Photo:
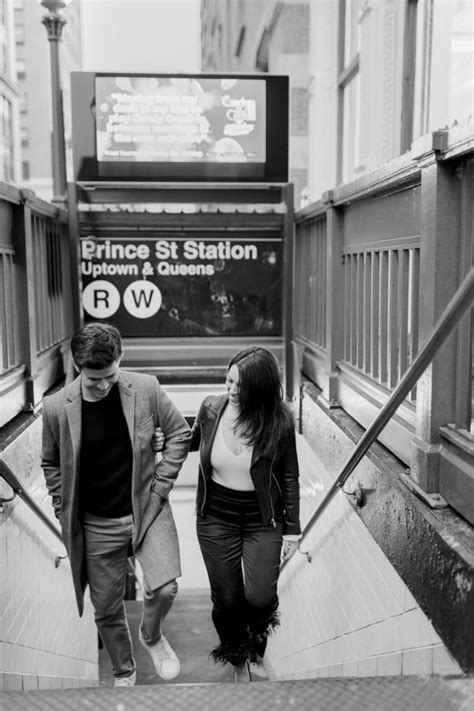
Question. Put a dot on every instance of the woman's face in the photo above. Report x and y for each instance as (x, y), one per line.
(232, 385)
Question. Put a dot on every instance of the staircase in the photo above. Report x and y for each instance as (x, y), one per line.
(368, 694)
(205, 686)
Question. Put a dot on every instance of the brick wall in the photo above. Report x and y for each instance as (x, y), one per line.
(347, 612)
(43, 642)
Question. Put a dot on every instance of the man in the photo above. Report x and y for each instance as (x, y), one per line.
(110, 495)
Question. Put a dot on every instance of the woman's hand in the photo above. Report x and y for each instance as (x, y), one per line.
(288, 549)
(158, 440)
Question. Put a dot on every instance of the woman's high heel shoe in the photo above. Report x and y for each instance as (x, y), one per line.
(242, 674)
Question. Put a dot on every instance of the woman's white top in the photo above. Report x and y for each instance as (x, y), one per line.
(229, 469)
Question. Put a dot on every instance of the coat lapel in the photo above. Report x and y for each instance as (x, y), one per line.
(74, 418)
(209, 429)
(73, 409)
(127, 398)
(210, 426)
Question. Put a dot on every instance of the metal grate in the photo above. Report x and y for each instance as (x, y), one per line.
(367, 694)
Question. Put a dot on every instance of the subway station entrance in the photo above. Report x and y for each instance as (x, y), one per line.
(188, 273)
(176, 263)
(182, 217)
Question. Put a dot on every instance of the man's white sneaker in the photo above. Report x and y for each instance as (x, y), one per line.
(126, 680)
(164, 659)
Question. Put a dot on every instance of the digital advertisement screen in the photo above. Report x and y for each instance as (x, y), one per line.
(172, 119)
(180, 128)
(177, 286)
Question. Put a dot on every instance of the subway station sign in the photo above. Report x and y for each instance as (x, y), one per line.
(181, 286)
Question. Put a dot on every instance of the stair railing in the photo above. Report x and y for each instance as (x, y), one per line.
(18, 490)
(451, 316)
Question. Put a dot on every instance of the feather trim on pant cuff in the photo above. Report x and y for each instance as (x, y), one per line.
(235, 655)
(260, 633)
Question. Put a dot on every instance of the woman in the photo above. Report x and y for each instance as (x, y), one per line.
(247, 504)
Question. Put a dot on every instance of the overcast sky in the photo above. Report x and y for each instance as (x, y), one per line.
(141, 35)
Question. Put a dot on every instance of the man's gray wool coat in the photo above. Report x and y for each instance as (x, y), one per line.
(145, 406)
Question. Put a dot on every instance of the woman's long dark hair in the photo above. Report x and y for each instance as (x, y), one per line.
(264, 420)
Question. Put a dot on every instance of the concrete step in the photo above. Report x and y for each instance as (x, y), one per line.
(189, 630)
(365, 694)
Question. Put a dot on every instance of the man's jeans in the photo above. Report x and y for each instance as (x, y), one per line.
(107, 548)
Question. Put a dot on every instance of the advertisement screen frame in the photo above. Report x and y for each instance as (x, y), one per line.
(88, 169)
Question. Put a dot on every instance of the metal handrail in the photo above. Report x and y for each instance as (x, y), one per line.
(448, 321)
(18, 489)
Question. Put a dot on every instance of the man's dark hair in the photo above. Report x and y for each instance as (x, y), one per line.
(96, 345)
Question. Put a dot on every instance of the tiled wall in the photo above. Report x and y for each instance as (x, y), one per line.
(347, 612)
(43, 642)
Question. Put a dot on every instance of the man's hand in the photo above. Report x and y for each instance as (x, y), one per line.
(288, 549)
(158, 440)
(155, 504)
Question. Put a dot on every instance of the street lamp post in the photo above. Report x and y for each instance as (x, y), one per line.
(54, 23)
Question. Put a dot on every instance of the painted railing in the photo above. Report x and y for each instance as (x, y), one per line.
(311, 281)
(459, 304)
(35, 299)
(381, 297)
(376, 262)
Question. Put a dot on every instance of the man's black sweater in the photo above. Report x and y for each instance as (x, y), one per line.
(105, 482)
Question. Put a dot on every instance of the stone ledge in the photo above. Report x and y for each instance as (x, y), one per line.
(433, 551)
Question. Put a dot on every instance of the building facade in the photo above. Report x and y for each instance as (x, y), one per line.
(265, 36)
(383, 74)
(10, 93)
(34, 78)
(367, 77)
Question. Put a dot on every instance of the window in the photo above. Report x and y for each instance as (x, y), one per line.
(350, 128)
(6, 118)
(25, 137)
(448, 64)
(3, 57)
(460, 67)
(6, 140)
(19, 34)
(20, 70)
(348, 89)
(409, 63)
(25, 167)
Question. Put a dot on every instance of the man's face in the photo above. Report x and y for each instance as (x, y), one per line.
(97, 383)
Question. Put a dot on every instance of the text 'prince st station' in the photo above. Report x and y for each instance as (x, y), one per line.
(92, 249)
